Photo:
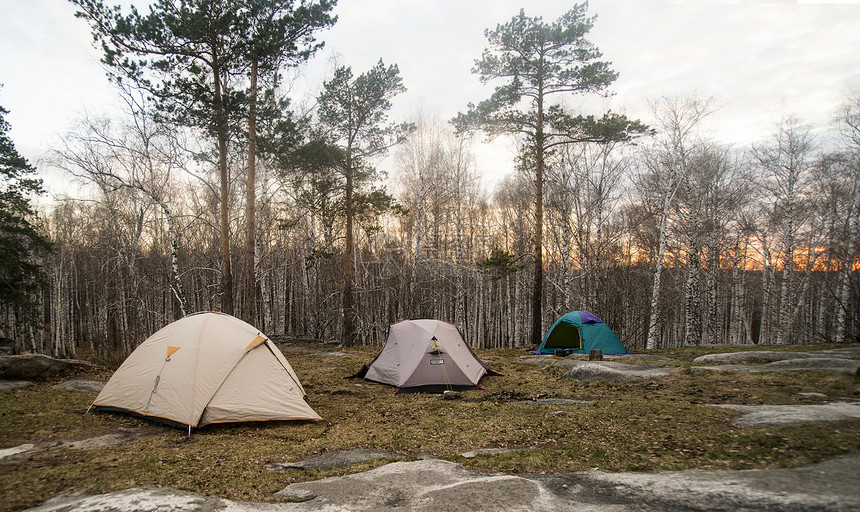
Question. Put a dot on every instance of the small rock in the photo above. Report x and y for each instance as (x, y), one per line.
(489, 451)
(333, 354)
(450, 395)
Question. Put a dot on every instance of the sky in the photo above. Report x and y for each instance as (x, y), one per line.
(760, 60)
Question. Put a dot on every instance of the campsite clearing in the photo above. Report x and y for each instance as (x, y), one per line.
(668, 423)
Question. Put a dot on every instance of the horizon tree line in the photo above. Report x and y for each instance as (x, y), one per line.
(676, 240)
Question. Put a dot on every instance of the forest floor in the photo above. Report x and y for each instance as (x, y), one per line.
(50, 446)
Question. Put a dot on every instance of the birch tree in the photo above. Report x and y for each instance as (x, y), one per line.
(143, 156)
(184, 54)
(784, 167)
(849, 122)
(708, 202)
(666, 167)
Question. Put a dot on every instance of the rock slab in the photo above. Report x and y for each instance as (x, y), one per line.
(787, 365)
(6, 385)
(329, 460)
(608, 371)
(766, 415)
(440, 485)
(37, 366)
(428, 485)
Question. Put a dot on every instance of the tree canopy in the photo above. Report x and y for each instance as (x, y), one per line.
(192, 57)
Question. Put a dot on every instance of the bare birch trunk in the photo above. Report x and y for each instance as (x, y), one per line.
(786, 292)
(653, 339)
(765, 334)
(692, 314)
(173, 233)
(711, 283)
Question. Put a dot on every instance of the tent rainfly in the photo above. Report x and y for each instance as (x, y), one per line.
(206, 368)
(580, 332)
(425, 356)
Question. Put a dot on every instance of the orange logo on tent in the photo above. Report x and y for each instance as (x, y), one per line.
(257, 340)
(171, 350)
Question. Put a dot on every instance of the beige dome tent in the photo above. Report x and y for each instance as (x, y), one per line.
(206, 368)
(425, 355)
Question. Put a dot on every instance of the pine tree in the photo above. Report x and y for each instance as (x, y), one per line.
(535, 63)
(21, 243)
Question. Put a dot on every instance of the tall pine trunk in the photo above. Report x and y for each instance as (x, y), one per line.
(349, 325)
(250, 206)
(537, 286)
(221, 127)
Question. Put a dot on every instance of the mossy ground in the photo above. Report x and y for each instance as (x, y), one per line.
(658, 424)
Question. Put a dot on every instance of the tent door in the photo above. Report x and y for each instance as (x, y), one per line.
(564, 336)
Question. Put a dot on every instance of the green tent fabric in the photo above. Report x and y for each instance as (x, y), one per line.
(580, 332)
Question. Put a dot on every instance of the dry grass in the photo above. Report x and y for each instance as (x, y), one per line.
(661, 424)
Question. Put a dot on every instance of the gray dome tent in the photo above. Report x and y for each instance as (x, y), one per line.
(425, 356)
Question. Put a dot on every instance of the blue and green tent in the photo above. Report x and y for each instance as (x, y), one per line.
(580, 332)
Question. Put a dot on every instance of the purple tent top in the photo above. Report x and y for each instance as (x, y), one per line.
(587, 318)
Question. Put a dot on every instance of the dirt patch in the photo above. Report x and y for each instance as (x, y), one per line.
(553, 401)
(105, 441)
